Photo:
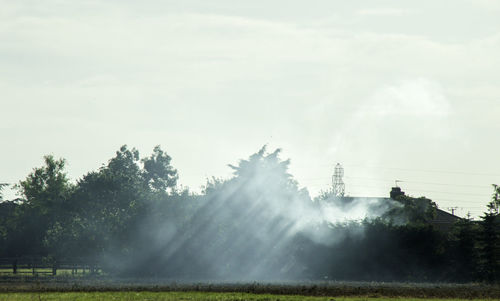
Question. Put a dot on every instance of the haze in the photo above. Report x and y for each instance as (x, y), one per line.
(392, 90)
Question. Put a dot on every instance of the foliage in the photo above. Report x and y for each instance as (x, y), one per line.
(414, 211)
(2, 186)
(131, 216)
(489, 243)
(464, 250)
(44, 193)
(158, 173)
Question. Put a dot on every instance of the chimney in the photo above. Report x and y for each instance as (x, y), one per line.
(395, 192)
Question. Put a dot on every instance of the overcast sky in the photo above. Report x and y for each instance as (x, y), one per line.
(406, 90)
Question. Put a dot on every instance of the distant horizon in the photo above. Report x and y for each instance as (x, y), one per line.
(9, 192)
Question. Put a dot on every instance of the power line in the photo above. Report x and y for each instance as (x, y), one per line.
(446, 192)
(403, 181)
(419, 182)
(414, 182)
(425, 170)
(411, 169)
(411, 190)
(458, 200)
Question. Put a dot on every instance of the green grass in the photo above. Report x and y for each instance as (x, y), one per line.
(153, 296)
(105, 288)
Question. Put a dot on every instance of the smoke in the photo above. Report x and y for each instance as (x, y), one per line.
(337, 210)
(253, 226)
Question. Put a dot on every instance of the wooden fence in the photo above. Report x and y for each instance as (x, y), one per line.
(43, 266)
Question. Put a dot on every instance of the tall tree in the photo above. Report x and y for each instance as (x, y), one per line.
(45, 192)
(158, 172)
(464, 256)
(108, 199)
(115, 201)
(2, 186)
(490, 240)
(7, 223)
(47, 187)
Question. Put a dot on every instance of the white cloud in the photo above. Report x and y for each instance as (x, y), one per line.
(421, 98)
(385, 12)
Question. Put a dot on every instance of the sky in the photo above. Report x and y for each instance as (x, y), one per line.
(392, 90)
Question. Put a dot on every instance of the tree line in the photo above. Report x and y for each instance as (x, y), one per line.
(131, 216)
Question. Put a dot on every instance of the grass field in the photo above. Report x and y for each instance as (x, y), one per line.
(93, 287)
(153, 296)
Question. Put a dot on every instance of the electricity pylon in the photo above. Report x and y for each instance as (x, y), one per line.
(337, 182)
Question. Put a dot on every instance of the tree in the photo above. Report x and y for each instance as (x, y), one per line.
(115, 202)
(243, 227)
(464, 256)
(417, 211)
(494, 204)
(158, 173)
(107, 201)
(47, 187)
(489, 240)
(7, 223)
(44, 192)
(2, 186)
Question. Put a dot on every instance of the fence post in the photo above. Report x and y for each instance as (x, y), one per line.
(54, 268)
